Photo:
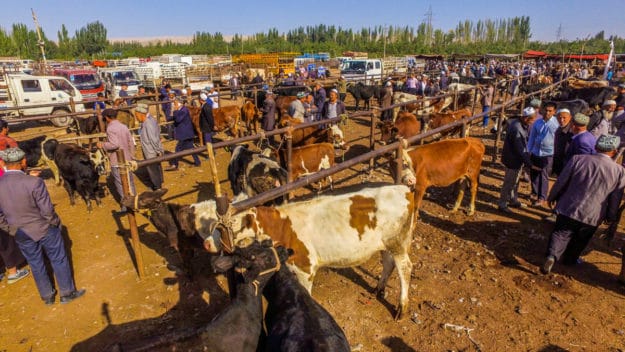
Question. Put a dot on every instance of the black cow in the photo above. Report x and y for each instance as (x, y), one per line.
(593, 96)
(84, 125)
(574, 106)
(360, 91)
(77, 170)
(253, 173)
(35, 157)
(294, 320)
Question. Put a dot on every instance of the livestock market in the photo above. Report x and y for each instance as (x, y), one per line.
(394, 181)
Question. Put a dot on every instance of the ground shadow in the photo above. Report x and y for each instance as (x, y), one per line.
(397, 344)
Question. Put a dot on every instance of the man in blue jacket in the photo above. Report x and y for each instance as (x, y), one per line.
(183, 132)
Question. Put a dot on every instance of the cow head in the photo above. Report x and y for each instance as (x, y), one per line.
(99, 161)
(147, 200)
(337, 137)
(388, 132)
(407, 174)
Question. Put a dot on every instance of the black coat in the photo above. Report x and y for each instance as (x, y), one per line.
(562, 139)
(515, 153)
(207, 122)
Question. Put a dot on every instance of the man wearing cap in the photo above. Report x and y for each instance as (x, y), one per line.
(387, 101)
(118, 137)
(333, 107)
(123, 93)
(536, 104)
(207, 121)
(319, 98)
(269, 112)
(604, 126)
(588, 191)
(620, 98)
(487, 101)
(297, 108)
(514, 156)
(27, 213)
(341, 86)
(183, 133)
(541, 147)
(583, 142)
(562, 139)
(151, 145)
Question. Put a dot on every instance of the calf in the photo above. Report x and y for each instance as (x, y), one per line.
(441, 119)
(282, 105)
(441, 164)
(406, 125)
(251, 117)
(314, 134)
(77, 170)
(253, 173)
(309, 159)
(294, 320)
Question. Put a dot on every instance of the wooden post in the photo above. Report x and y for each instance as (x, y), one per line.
(132, 221)
(98, 112)
(456, 98)
(72, 104)
(399, 161)
(372, 142)
(499, 127)
(289, 155)
(213, 167)
(475, 101)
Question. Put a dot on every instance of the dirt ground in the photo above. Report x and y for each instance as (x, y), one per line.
(475, 284)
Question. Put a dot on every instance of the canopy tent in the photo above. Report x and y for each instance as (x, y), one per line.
(531, 54)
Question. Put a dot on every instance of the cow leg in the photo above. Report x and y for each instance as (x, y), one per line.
(388, 264)
(70, 191)
(621, 277)
(474, 183)
(418, 197)
(461, 186)
(404, 269)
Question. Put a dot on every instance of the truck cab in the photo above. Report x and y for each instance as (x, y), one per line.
(368, 71)
(30, 92)
(88, 82)
(114, 77)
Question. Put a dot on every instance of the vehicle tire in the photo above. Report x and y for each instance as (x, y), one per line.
(60, 121)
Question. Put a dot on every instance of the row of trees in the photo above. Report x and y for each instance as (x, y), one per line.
(511, 35)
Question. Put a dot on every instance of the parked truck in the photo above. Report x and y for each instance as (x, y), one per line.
(114, 77)
(29, 93)
(87, 81)
(368, 71)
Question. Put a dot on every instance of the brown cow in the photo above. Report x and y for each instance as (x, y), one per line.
(251, 117)
(313, 134)
(309, 159)
(226, 118)
(444, 118)
(406, 125)
(441, 164)
(282, 105)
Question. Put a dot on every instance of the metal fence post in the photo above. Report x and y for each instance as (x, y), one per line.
(132, 221)
(399, 162)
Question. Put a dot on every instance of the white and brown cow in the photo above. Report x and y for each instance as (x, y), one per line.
(342, 230)
(308, 159)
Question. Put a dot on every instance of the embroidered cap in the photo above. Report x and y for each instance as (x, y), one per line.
(142, 108)
(581, 119)
(607, 143)
(528, 111)
(535, 103)
(301, 95)
(12, 155)
(609, 102)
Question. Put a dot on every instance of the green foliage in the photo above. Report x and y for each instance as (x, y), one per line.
(91, 39)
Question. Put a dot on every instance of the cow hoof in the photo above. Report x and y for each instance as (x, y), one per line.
(471, 212)
(399, 316)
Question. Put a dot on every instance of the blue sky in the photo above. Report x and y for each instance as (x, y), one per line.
(141, 18)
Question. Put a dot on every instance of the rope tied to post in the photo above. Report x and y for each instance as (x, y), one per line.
(344, 118)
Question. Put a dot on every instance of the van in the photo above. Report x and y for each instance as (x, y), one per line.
(87, 81)
(30, 92)
(114, 77)
(368, 71)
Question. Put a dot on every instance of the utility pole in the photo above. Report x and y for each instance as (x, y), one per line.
(384, 32)
(40, 43)
(559, 39)
(428, 28)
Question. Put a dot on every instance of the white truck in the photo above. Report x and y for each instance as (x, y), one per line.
(114, 77)
(29, 93)
(368, 71)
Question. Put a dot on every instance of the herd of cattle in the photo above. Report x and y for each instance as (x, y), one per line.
(342, 229)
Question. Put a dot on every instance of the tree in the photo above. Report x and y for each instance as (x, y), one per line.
(91, 39)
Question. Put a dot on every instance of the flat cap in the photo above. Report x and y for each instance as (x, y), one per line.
(607, 143)
(609, 102)
(142, 108)
(535, 103)
(203, 96)
(12, 155)
(622, 85)
(110, 113)
(581, 119)
(529, 111)
(301, 95)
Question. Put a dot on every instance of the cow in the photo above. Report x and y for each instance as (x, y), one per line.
(441, 164)
(77, 170)
(226, 119)
(282, 105)
(340, 230)
(417, 105)
(250, 116)
(465, 94)
(35, 156)
(308, 159)
(253, 173)
(593, 96)
(84, 125)
(360, 91)
(437, 120)
(405, 125)
(574, 106)
(314, 134)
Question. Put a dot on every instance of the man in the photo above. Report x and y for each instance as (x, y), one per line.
(514, 156)
(341, 86)
(234, 86)
(269, 112)
(563, 137)
(99, 103)
(183, 133)
(207, 121)
(333, 107)
(387, 101)
(541, 146)
(124, 94)
(6, 141)
(486, 101)
(118, 137)
(587, 192)
(604, 126)
(620, 98)
(583, 142)
(297, 108)
(151, 146)
(27, 213)
(319, 98)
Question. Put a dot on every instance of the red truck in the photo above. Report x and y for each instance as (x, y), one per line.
(88, 82)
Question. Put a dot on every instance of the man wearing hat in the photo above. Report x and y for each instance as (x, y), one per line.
(562, 139)
(118, 137)
(583, 142)
(588, 191)
(620, 98)
(183, 132)
(536, 104)
(333, 107)
(319, 98)
(27, 213)
(541, 147)
(151, 145)
(298, 109)
(207, 121)
(341, 86)
(604, 126)
(269, 112)
(514, 156)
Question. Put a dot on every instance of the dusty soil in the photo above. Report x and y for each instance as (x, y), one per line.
(479, 273)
